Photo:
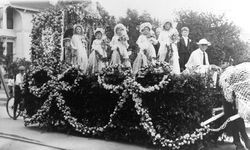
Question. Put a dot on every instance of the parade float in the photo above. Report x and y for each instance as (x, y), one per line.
(153, 107)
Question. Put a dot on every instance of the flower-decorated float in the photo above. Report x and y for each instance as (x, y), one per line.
(153, 107)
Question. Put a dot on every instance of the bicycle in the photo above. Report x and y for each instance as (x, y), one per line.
(10, 106)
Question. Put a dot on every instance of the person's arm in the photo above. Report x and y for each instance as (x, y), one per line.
(190, 61)
(179, 45)
(140, 42)
(154, 40)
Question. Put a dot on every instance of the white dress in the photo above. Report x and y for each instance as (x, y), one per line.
(165, 40)
(119, 57)
(82, 58)
(147, 47)
(95, 63)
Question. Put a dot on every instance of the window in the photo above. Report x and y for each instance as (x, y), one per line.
(1, 49)
(10, 18)
(10, 51)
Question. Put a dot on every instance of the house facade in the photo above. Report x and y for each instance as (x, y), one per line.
(16, 26)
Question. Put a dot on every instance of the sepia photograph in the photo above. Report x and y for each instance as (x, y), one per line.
(124, 75)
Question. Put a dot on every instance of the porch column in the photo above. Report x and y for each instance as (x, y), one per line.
(5, 17)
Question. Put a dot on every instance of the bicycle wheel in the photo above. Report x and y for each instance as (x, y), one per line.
(10, 108)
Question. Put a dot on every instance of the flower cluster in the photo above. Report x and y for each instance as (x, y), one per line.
(161, 69)
(114, 73)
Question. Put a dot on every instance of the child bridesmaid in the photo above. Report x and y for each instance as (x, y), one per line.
(147, 51)
(119, 46)
(98, 56)
(168, 39)
(78, 43)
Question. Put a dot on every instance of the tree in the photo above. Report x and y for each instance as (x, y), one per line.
(108, 21)
(133, 20)
(12, 67)
(223, 34)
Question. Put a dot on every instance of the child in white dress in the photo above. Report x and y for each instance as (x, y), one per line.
(78, 43)
(98, 56)
(147, 51)
(168, 39)
(119, 46)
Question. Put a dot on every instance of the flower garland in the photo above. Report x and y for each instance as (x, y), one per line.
(133, 88)
(129, 87)
(165, 80)
(40, 115)
(79, 127)
(66, 85)
(73, 121)
(44, 89)
(122, 71)
(147, 124)
(156, 68)
(66, 111)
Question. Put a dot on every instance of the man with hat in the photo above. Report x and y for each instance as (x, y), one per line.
(184, 47)
(18, 87)
(199, 56)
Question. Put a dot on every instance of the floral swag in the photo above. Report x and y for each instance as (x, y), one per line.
(117, 80)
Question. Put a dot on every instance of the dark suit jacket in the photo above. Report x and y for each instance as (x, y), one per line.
(184, 51)
(182, 48)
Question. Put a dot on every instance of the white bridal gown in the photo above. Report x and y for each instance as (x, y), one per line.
(82, 58)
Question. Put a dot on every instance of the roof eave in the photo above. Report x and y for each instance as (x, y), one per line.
(24, 8)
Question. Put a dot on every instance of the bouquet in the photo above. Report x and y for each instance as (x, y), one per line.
(105, 43)
(174, 38)
(123, 38)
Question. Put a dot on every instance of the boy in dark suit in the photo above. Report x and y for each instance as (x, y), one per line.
(184, 47)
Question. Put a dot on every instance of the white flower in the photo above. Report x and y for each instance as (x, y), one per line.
(158, 136)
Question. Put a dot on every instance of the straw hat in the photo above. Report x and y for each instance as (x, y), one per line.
(204, 42)
(21, 68)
